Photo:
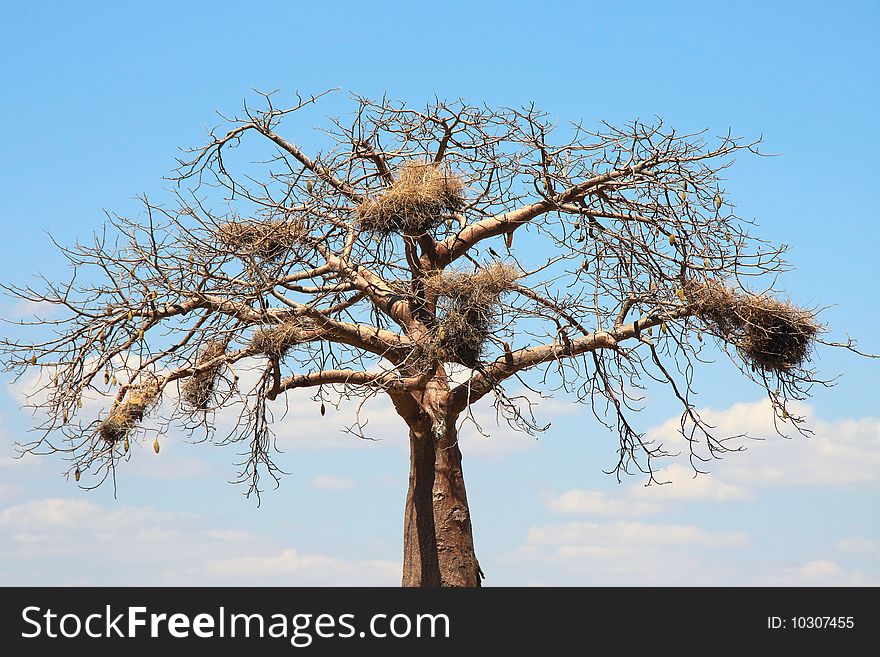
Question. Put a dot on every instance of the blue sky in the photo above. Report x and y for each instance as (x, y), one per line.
(97, 99)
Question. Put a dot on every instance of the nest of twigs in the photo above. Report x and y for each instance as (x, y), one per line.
(467, 308)
(124, 416)
(198, 390)
(269, 240)
(773, 335)
(415, 202)
(277, 339)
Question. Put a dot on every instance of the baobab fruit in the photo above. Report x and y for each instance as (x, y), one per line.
(508, 240)
(140, 334)
(718, 201)
(79, 403)
(672, 239)
(126, 445)
(156, 445)
(76, 474)
(309, 186)
(700, 336)
(55, 380)
(663, 327)
(130, 315)
(64, 417)
(106, 377)
(323, 409)
(680, 294)
(113, 380)
(34, 359)
(706, 263)
(683, 196)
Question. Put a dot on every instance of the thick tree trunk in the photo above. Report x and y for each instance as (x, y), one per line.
(438, 541)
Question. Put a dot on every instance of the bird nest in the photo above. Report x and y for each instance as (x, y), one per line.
(269, 240)
(198, 390)
(771, 334)
(277, 339)
(124, 416)
(415, 202)
(466, 308)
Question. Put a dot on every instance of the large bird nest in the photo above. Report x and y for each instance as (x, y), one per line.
(124, 416)
(277, 339)
(467, 308)
(771, 334)
(199, 388)
(415, 202)
(269, 240)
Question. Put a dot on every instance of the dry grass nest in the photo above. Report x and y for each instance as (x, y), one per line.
(771, 334)
(415, 202)
(269, 240)
(466, 308)
(124, 416)
(277, 339)
(198, 390)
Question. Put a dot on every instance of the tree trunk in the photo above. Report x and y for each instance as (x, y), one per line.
(438, 541)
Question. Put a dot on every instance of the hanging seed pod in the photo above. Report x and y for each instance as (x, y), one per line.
(309, 186)
(682, 195)
(101, 336)
(55, 381)
(684, 185)
(79, 403)
(109, 310)
(586, 265)
(76, 474)
(153, 295)
(663, 328)
(34, 359)
(700, 336)
(140, 334)
(680, 294)
(113, 380)
(672, 239)
(718, 201)
(64, 417)
(126, 445)
(156, 445)
(508, 240)
(652, 286)
(323, 409)
(106, 377)
(130, 315)
(706, 263)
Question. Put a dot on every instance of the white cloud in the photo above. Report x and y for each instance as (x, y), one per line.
(685, 485)
(819, 572)
(841, 453)
(625, 554)
(66, 541)
(328, 483)
(589, 502)
(291, 566)
(858, 546)
(587, 534)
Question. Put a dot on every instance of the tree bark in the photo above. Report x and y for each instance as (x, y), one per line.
(438, 539)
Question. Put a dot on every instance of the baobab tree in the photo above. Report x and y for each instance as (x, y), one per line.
(434, 255)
